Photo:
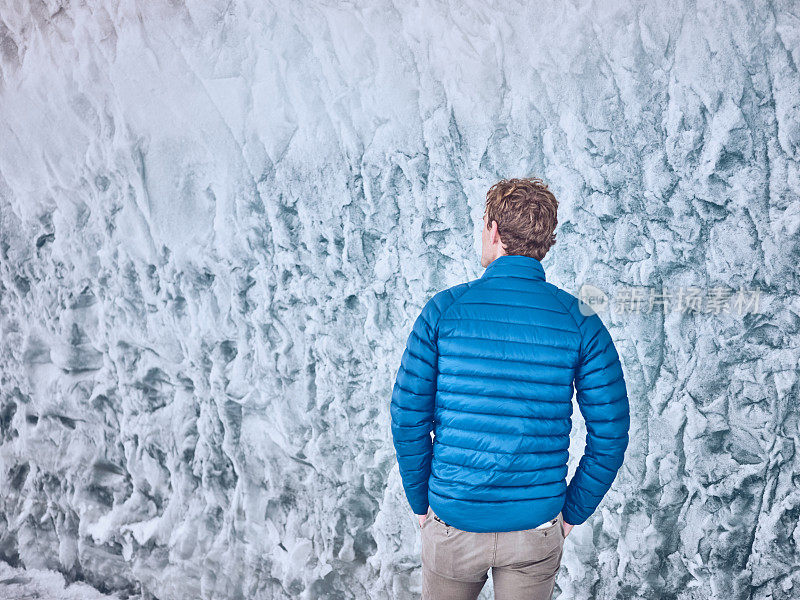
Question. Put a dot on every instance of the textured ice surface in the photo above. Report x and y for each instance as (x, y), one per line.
(44, 585)
(218, 221)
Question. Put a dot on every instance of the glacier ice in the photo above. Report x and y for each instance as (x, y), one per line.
(218, 221)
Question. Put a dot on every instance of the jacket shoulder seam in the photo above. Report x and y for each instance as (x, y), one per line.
(571, 316)
(467, 287)
(565, 307)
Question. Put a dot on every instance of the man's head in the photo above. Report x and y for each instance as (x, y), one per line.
(520, 218)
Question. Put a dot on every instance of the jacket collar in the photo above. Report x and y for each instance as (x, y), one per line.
(515, 265)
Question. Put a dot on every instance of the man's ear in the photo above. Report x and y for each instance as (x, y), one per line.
(495, 233)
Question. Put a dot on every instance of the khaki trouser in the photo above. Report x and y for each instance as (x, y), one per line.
(455, 563)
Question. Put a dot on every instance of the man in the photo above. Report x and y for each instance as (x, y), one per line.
(490, 367)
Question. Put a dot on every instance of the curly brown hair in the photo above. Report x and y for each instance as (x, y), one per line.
(526, 215)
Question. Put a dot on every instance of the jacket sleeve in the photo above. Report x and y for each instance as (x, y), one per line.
(603, 401)
(412, 407)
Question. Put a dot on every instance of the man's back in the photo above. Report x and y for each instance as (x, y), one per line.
(490, 367)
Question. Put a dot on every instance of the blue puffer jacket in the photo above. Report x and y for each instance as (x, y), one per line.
(490, 367)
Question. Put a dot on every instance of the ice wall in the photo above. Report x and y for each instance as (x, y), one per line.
(218, 221)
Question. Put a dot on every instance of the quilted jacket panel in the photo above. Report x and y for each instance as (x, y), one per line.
(490, 367)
